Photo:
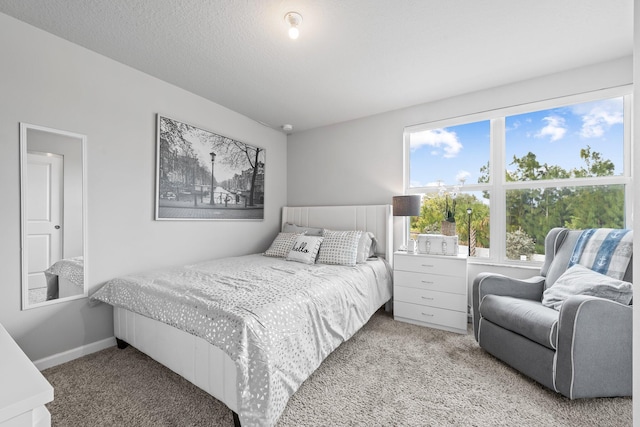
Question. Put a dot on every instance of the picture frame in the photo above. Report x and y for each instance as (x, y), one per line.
(192, 161)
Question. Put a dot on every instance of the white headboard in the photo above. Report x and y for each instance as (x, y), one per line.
(374, 218)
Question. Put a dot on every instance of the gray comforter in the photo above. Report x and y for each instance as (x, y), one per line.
(277, 320)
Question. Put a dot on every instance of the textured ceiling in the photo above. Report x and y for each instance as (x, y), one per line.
(353, 58)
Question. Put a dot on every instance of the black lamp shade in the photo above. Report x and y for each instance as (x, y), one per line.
(406, 205)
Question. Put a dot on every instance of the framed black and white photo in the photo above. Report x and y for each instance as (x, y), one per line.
(201, 175)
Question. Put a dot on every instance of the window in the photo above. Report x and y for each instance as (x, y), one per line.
(453, 154)
(569, 142)
(521, 171)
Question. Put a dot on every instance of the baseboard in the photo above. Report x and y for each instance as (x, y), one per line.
(74, 353)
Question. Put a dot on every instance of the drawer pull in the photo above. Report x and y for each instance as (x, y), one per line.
(428, 265)
(427, 298)
(427, 282)
(427, 314)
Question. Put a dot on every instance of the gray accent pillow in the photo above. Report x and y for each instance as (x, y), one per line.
(339, 247)
(366, 247)
(580, 280)
(309, 231)
(281, 245)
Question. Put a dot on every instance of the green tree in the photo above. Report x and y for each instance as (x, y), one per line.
(534, 211)
(519, 243)
(595, 165)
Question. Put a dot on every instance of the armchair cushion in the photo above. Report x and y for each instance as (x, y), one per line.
(579, 280)
(524, 317)
(498, 284)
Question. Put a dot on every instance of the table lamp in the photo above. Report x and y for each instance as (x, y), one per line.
(406, 206)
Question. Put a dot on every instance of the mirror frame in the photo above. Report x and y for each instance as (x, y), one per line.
(24, 128)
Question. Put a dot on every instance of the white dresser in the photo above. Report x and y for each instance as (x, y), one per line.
(23, 389)
(430, 290)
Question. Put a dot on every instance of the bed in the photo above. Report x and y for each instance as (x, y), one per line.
(65, 278)
(253, 353)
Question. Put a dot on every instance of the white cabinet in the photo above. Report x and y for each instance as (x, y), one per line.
(23, 389)
(430, 290)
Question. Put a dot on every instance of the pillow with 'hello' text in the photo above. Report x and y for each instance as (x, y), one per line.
(305, 249)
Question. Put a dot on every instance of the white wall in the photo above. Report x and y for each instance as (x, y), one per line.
(47, 81)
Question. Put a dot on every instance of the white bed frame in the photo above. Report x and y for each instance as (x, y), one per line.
(205, 365)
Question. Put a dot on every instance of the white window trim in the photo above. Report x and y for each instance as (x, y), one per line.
(497, 184)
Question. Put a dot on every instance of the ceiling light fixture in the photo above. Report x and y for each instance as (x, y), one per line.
(293, 19)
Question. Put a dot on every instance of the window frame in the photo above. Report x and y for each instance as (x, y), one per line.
(498, 186)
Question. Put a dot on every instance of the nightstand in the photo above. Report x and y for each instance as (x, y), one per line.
(430, 290)
(24, 391)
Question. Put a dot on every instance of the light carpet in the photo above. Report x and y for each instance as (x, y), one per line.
(388, 374)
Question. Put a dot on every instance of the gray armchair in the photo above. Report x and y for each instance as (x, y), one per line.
(583, 350)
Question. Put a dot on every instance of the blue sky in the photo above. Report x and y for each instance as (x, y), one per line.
(555, 136)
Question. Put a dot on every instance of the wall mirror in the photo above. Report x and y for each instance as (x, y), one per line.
(53, 215)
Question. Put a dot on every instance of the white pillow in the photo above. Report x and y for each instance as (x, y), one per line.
(580, 280)
(305, 249)
(366, 247)
(339, 247)
(281, 245)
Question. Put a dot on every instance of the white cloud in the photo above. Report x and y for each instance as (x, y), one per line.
(462, 176)
(599, 120)
(415, 183)
(438, 138)
(555, 128)
(515, 125)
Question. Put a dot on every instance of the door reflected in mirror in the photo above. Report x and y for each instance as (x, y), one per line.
(53, 215)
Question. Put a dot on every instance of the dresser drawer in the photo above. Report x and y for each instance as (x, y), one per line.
(455, 302)
(438, 316)
(434, 282)
(448, 266)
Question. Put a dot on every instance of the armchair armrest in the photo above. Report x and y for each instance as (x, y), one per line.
(498, 284)
(594, 348)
